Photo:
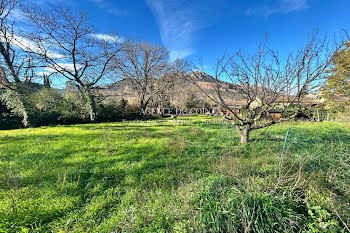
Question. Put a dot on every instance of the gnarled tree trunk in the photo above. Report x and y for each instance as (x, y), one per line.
(244, 133)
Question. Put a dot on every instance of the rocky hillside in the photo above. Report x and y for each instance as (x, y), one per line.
(178, 88)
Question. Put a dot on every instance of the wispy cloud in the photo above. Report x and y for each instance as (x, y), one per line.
(108, 38)
(117, 12)
(177, 25)
(61, 67)
(174, 54)
(279, 7)
(110, 9)
(44, 2)
(26, 44)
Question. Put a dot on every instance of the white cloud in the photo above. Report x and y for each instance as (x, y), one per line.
(282, 7)
(43, 73)
(62, 67)
(112, 10)
(45, 2)
(97, 1)
(108, 38)
(26, 44)
(117, 12)
(177, 24)
(175, 54)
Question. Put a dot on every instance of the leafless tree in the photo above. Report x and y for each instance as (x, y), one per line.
(17, 68)
(263, 81)
(170, 87)
(70, 47)
(17, 65)
(6, 34)
(143, 64)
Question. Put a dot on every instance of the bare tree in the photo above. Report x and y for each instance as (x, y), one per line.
(143, 64)
(70, 47)
(6, 34)
(264, 82)
(17, 65)
(17, 68)
(170, 87)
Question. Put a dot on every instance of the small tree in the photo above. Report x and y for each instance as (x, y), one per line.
(262, 82)
(70, 47)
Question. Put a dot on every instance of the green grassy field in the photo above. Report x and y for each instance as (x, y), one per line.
(166, 177)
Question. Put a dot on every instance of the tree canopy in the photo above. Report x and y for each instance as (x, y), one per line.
(337, 88)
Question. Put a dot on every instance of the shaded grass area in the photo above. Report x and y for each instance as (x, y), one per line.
(161, 177)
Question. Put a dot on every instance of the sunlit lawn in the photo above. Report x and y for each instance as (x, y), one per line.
(150, 176)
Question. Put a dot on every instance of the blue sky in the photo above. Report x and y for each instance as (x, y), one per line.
(206, 28)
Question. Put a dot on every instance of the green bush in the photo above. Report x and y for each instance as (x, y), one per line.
(35, 106)
(110, 112)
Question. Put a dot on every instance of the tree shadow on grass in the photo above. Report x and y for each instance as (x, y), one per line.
(49, 170)
(144, 173)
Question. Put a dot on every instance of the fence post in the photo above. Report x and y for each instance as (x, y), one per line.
(285, 143)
